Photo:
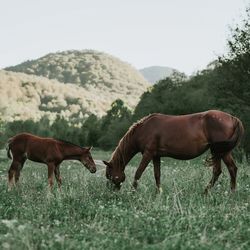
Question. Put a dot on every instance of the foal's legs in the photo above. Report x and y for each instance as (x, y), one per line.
(157, 172)
(51, 168)
(58, 176)
(146, 158)
(232, 169)
(216, 173)
(17, 175)
(12, 173)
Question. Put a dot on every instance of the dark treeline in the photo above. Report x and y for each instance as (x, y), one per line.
(103, 133)
(224, 85)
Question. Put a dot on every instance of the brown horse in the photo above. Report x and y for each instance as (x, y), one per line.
(44, 150)
(181, 137)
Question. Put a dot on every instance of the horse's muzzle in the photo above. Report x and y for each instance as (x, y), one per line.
(113, 186)
(92, 170)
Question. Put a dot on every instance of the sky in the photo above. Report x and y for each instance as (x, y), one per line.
(182, 34)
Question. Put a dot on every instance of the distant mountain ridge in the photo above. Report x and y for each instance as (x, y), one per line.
(70, 83)
(155, 73)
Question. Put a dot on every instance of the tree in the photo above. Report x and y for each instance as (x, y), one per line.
(114, 124)
(90, 131)
(233, 90)
(235, 65)
(3, 137)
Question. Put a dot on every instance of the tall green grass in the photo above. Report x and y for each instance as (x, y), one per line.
(87, 215)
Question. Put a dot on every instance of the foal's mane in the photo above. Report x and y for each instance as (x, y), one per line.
(68, 142)
(120, 150)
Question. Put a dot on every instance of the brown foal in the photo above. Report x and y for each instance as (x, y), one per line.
(44, 150)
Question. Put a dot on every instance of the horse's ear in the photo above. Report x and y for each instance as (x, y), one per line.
(107, 163)
(88, 148)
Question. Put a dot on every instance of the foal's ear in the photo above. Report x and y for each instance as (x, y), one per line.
(107, 163)
(88, 148)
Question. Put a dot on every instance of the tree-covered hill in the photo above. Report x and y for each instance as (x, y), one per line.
(86, 67)
(71, 83)
(26, 96)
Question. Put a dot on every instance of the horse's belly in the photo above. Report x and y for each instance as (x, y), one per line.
(191, 151)
(36, 157)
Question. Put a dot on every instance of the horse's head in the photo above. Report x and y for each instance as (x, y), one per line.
(87, 160)
(114, 174)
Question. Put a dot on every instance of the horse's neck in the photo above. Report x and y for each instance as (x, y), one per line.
(122, 156)
(70, 152)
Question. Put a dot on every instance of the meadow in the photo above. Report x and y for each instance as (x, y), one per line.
(87, 215)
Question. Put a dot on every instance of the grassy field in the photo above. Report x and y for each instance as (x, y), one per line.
(86, 215)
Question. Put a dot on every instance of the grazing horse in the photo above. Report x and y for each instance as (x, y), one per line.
(44, 150)
(181, 137)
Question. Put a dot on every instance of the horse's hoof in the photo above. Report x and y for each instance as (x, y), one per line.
(160, 190)
(206, 191)
(135, 185)
(117, 187)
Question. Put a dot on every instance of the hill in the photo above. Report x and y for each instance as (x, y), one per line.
(155, 73)
(86, 67)
(26, 96)
(72, 83)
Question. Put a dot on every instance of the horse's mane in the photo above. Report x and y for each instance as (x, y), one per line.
(68, 142)
(120, 150)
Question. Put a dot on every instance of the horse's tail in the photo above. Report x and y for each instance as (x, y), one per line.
(8, 149)
(223, 147)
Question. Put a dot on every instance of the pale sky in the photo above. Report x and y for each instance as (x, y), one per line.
(183, 34)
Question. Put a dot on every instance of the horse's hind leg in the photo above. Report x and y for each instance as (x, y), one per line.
(12, 173)
(20, 167)
(58, 176)
(216, 161)
(157, 172)
(232, 169)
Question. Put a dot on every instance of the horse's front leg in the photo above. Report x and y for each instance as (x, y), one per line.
(51, 169)
(157, 172)
(146, 158)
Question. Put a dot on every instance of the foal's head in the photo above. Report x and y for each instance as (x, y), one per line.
(114, 174)
(87, 160)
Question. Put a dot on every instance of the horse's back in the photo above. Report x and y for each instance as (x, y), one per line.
(211, 123)
(171, 126)
(27, 137)
(180, 137)
(31, 146)
(185, 136)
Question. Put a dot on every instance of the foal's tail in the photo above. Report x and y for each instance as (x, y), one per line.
(222, 147)
(9, 154)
